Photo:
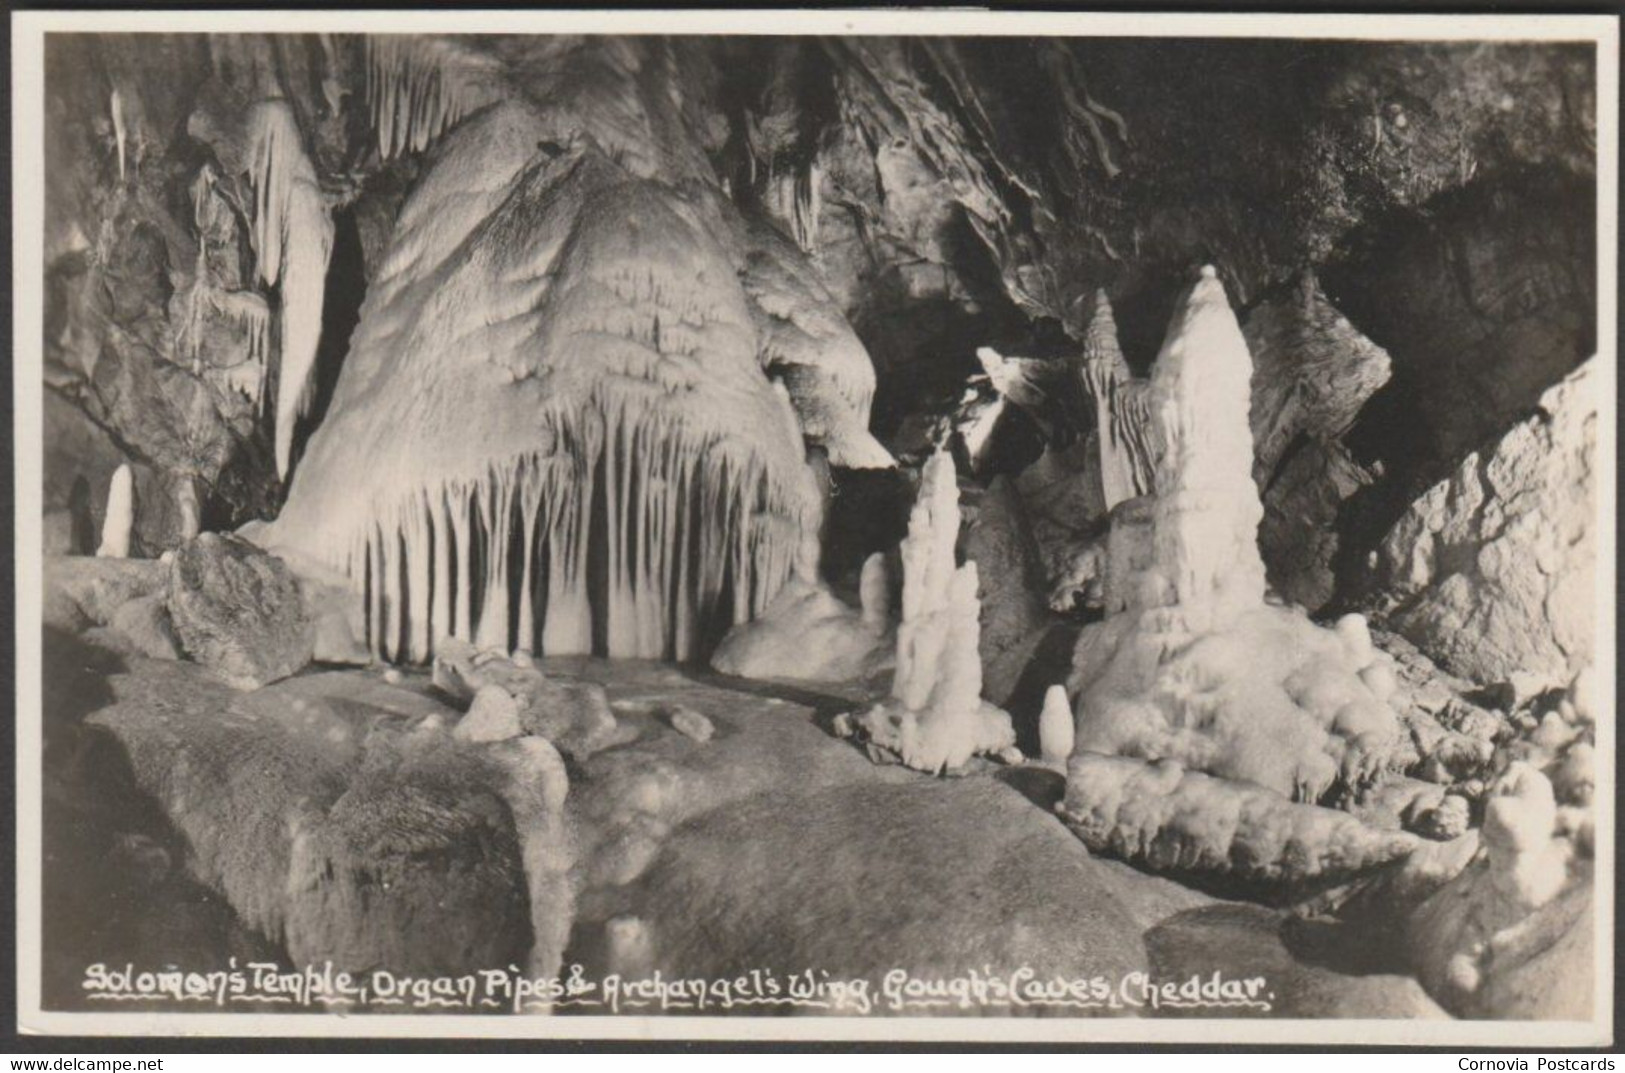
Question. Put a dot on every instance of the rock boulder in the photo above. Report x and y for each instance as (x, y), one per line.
(238, 611)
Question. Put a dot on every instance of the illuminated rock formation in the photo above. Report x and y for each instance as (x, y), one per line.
(1191, 666)
(1511, 935)
(119, 520)
(935, 718)
(556, 429)
(293, 239)
(1161, 816)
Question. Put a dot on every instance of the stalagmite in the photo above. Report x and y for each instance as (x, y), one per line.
(1205, 521)
(1055, 729)
(1479, 942)
(1125, 453)
(1192, 666)
(293, 239)
(935, 718)
(120, 517)
(186, 504)
(874, 591)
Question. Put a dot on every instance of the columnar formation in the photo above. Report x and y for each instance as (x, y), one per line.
(1206, 513)
(119, 520)
(1124, 447)
(1194, 671)
(935, 718)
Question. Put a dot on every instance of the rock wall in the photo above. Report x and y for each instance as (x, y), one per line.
(1492, 572)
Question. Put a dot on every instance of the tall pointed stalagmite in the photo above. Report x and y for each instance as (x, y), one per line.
(935, 718)
(1195, 694)
(1207, 510)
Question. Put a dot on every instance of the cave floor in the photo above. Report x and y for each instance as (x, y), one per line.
(772, 847)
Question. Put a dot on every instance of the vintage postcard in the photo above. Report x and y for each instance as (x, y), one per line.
(785, 525)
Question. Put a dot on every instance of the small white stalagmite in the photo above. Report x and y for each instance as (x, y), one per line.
(120, 517)
(874, 591)
(935, 718)
(1055, 726)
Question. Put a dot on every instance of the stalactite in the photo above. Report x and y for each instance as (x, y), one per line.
(116, 106)
(418, 88)
(293, 239)
(807, 204)
(441, 561)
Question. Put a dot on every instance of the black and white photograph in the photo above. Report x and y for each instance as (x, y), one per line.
(816, 525)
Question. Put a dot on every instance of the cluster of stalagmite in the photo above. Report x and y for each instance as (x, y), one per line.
(1193, 670)
(935, 718)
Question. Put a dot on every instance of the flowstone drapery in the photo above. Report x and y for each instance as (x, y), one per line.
(557, 429)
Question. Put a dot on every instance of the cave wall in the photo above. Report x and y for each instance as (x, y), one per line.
(950, 194)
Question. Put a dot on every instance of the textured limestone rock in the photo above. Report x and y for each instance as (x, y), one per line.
(935, 717)
(494, 716)
(332, 819)
(1172, 820)
(533, 784)
(1000, 542)
(1510, 935)
(690, 723)
(81, 591)
(1312, 973)
(1312, 372)
(1492, 572)
(573, 715)
(1064, 502)
(1298, 536)
(145, 623)
(238, 611)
